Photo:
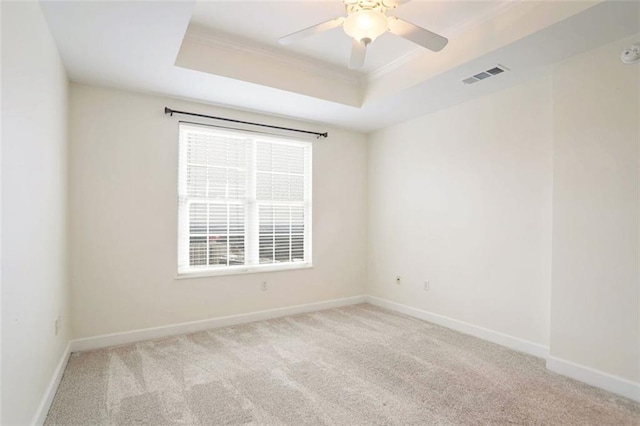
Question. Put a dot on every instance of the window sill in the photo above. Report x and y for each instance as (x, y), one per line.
(242, 271)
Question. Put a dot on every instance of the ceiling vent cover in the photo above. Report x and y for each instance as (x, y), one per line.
(485, 74)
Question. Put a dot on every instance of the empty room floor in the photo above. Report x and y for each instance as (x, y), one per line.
(354, 365)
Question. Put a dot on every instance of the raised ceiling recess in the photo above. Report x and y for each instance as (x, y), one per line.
(228, 52)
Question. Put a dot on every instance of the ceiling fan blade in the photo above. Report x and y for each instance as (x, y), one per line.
(358, 53)
(416, 34)
(299, 35)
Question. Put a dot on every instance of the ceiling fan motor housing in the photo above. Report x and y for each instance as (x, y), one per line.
(354, 6)
(366, 20)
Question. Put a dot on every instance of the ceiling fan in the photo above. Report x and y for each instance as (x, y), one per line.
(365, 21)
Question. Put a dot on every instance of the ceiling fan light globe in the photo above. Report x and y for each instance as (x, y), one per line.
(365, 24)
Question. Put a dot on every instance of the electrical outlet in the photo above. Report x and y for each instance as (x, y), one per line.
(265, 286)
(427, 285)
(398, 279)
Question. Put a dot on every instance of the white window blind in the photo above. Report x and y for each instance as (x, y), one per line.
(244, 201)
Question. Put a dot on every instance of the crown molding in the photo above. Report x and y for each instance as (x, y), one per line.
(226, 42)
(449, 33)
(482, 18)
(395, 64)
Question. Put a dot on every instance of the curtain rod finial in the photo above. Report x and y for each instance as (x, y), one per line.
(168, 111)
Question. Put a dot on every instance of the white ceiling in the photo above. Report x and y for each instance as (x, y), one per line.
(148, 46)
(266, 21)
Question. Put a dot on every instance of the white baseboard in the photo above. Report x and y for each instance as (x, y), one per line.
(596, 378)
(116, 339)
(47, 399)
(575, 371)
(502, 339)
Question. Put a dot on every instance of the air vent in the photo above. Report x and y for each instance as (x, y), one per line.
(485, 74)
(482, 75)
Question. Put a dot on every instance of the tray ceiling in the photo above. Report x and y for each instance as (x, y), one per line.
(226, 53)
(264, 22)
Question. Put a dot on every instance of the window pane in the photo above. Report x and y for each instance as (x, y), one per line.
(217, 179)
(236, 250)
(280, 174)
(280, 187)
(217, 152)
(280, 158)
(198, 218)
(237, 154)
(297, 220)
(197, 251)
(218, 250)
(296, 160)
(197, 150)
(282, 248)
(264, 184)
(265, 222)
(236, 219)
(281, 233)
(235, 184)
(266, 248)
(265, 226)
(197, 181)
(264, 153)
(218, 219)
(296, 185)
(297, 248)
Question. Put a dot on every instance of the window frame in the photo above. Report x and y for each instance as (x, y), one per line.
(251, 205)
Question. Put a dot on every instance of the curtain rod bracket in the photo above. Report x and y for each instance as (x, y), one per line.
(170, 112)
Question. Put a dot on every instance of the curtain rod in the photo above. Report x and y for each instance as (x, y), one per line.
(170, 111)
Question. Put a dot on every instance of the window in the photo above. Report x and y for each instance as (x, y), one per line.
(244, 201)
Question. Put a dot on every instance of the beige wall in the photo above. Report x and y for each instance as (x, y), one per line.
(596, 287)
(123, 206)
(462, 198)
(34, 210)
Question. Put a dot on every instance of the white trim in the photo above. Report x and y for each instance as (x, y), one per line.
(502, 339)
(215, 39)
(596, 378)
(47, 398)
(487, 16)
(587, 375)
(243, 269)
(451, 33)
(115, 339)
(382, 71)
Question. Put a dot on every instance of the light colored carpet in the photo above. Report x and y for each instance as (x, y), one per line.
(349, 366)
